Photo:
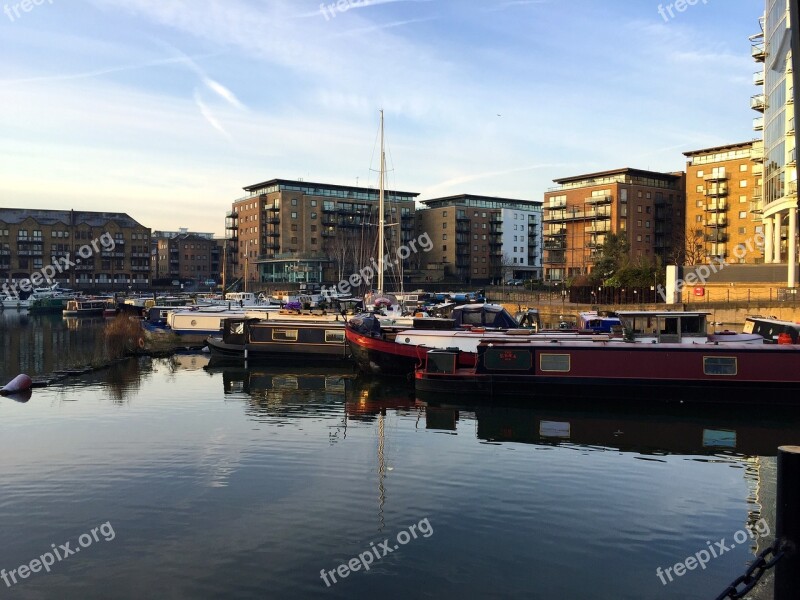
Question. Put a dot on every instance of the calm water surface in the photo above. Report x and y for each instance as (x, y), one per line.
(221, 482)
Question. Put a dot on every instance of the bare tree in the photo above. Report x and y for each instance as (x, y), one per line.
(688, 247)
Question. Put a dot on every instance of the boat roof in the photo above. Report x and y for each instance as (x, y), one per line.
(771, 320)
(661, 313)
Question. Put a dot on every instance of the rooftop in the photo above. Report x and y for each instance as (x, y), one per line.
(624, 171)
(314, 189)
(66, 217)
(715, 149)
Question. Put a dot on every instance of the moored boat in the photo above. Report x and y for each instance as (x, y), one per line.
(297, 339)
(705, 372)
(774, 331)
(87, 307)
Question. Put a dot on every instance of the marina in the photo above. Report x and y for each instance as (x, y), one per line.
(211, 441)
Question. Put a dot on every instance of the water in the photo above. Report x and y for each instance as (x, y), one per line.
(221, 482)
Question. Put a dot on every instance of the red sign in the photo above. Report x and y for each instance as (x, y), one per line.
(699, 291)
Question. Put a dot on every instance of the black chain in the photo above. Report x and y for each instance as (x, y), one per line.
(766, 559)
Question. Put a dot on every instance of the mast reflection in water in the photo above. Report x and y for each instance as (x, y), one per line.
(222, 481)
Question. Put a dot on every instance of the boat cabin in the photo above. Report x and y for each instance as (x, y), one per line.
(771, 329)
(664, 327)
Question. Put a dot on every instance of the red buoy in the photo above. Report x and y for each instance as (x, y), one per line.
(784, 338)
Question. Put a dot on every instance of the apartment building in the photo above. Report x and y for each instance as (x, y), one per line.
(722, 185)
(186, 256)
(32, 239)
(480, 239)
(776, 78)
(291, 231)
(645, 206)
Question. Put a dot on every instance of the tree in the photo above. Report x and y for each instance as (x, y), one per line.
(614, 258)
(688, 247)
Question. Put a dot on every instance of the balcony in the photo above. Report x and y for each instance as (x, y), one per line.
(275, 206)
(559, 232)
(717, 174)
(757, 169)
(562, 204)
(790, 128)
(555, 245)
(758, 52)
(717, 221)
(758, 102)
(462, 217)
(791, 189)
(716, 237)
(792, 160)
(758, 78)
(717, 250)
(756, 207)
(555, 258)
(598, 227)
(715, 191)
(605, 199)
(757, 154)
(30, 252)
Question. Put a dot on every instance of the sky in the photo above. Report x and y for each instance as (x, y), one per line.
(166, 109)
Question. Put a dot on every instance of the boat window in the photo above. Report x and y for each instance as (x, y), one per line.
(559, 363)
(334, 335)
(693, 325)
(670, 326)
(441, 362)
(472, 318)
(719, 365)
(284, 335)
(237, 328)
(508, 360)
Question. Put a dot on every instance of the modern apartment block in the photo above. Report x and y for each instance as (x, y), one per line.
(483, 238)
(186, 256)
(771, 49)
(646, 206)
(723, 184)
(32, 240)
(286, 231)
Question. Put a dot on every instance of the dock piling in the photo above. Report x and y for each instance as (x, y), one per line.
(787, 522)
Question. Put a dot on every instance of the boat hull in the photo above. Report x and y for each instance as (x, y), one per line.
(643, 373)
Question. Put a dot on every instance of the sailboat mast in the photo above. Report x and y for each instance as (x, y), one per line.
(381, 214)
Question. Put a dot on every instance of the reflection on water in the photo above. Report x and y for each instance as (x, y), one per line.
(41, 344)
(228, 482)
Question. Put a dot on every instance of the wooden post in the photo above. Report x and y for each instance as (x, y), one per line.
(787, 522)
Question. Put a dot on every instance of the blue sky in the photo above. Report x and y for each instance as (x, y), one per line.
(165, 109)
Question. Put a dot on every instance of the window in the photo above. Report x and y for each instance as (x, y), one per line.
(743, 168)
(294, 201)
(444, 213)
(313, 240)
(639, 208)
(313, 228)
(313, 215)
(742, 199)
(647, 210)
(294, 240)
(638, 238)
(515, 238)
(334, 336)
(557, 363)
(475, 248)
(444, 225)
(743, 214)
(284, 335)
(444, 236)
(294, 215)
(444, 247)
(639, 223)
(719, 365)
(700, 173)
(647, 224)
(743, 183)
(742, 229)
(699, 204)
(313, 203)
(475, 271)
(294, 227)
(699, 219)
(647, 239)
(647, 195)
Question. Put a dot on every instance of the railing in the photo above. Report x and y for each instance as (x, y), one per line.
(758, 52)
(598, 199)
(758, 102)
(758, 78)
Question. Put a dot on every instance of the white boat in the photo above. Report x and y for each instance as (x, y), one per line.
(13, 302)
(88, 307)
